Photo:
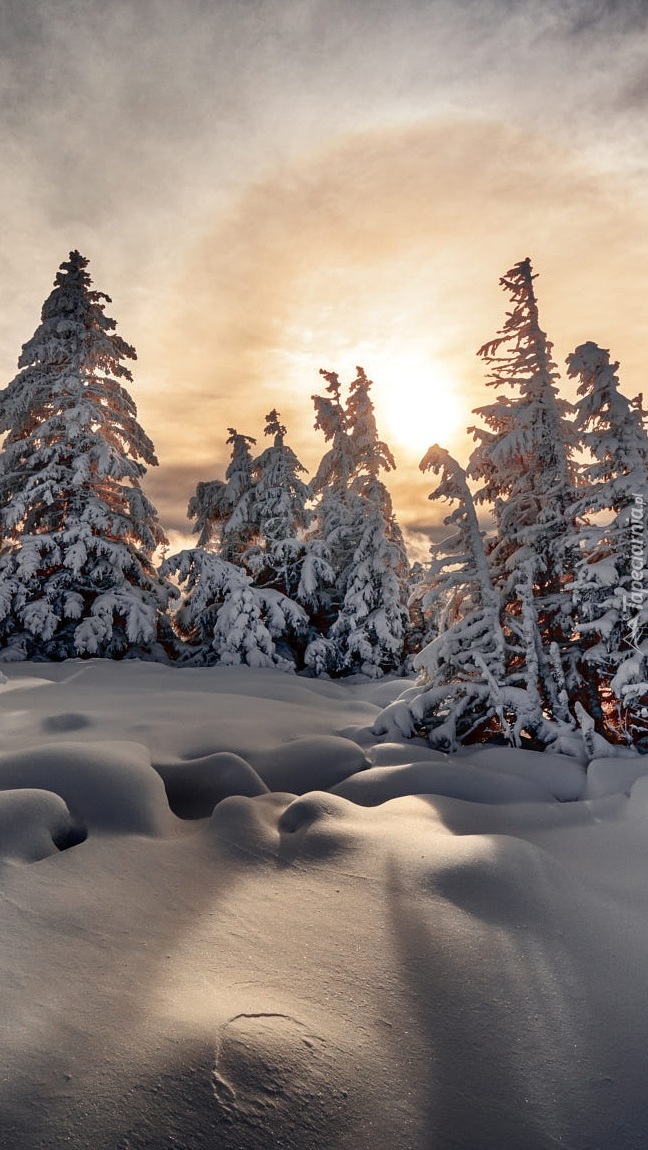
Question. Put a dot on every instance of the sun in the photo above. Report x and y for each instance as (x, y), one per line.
(417, 403)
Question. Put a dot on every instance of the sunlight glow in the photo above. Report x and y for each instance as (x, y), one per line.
(417, 403)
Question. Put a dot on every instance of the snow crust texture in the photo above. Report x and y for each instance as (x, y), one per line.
(230, 917)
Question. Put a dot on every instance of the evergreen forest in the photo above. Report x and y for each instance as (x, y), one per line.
(530, 632)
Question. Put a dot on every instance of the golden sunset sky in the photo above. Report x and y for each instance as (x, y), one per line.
(267, 187)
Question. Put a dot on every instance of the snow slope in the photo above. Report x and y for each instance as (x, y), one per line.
(342, 944)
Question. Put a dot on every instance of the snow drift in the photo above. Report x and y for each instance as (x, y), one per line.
(341, 943)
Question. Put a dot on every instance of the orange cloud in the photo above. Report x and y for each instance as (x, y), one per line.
(383, 250)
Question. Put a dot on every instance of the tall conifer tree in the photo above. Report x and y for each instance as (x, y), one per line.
(356, 520)
(465, 691)
(223, 509)
(77, 532)
(245, 589)
(284, 558)
(611, 581)
(523, 459)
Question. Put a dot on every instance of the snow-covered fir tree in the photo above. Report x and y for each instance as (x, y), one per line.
(209, 508)
(611, 581)
(280, 494)
(237, 585)
(369, 632)
(370, 454)
(357, 522)
(223, 618)
(77, 532)
(333, 519)
(283, 558)
(464, 691)
(422, 626)
(331, 486)
(460, 593)
(524, 461)
(223, 510)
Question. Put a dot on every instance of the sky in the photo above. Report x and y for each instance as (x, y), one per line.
(269, 187)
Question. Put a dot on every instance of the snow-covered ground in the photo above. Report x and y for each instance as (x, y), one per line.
(365, 945)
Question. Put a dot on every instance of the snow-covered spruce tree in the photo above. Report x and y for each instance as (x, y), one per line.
(369, 630)
(283, 558)
(224, 510)
(333, 520)
(463, 694)
(422, 625)
(77, 533)
(524, 460)
(469, 645)
(331, 485)
(244, 589)
(224, 619)
(610, 585)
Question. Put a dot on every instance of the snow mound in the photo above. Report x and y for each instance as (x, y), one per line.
(299, 970)
(308, 809)
(395, 754)
(456, 780)
(249, 825)
(614, 776)
(194, 788)
(178, 713)
(563, 777)
(267, 1064)
(638, 804)
(315, 826)
(385, 691)
(308, 764)
(33, 825)
(497, 878)
(319, 826)
(108, 786)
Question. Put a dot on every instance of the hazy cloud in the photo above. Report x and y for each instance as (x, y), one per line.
(393, 236)
(270, 186)
(170, 487)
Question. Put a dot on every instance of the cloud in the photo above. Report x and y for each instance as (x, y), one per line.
(170, 487)
(270, 186)
(393, 238)
(625, 17)
(158, 103)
